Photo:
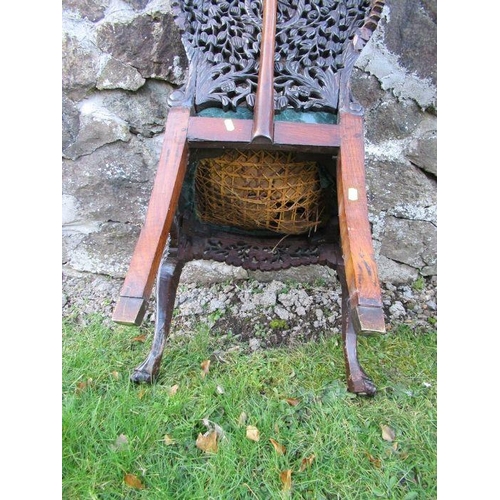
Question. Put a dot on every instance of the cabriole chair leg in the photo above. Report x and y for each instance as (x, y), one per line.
(168, 281)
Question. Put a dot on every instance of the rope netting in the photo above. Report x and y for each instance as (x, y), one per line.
(259, 190)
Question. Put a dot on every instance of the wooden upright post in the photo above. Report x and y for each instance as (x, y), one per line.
(146, 258)
(264, 100)
(357, 246)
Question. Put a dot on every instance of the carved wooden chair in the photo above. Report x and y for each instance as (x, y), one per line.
(263, 160)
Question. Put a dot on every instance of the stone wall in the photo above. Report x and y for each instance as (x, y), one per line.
(122, 59)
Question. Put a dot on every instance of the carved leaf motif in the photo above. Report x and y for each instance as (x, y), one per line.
(226, 103)
(237, 42)
(281, 103)
(250, 99)
(228, 86)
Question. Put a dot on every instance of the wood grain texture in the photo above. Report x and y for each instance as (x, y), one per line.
(146, 258)
(307, 136)
(357, 246)
(214, 132)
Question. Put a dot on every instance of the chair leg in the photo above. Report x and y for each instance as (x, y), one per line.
(168, 280)
(357, 379)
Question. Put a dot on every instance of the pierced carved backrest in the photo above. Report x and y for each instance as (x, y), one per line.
(317, 43)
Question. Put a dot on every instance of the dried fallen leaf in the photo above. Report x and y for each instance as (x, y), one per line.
(306, 462)
(207, 442)
(253, 433)
(292, 401)
(388, 434)
(173, 390)
(133, 481)
(121, 442)
(81, 386)
(139, 338)
(377, 463)
(280, 449)
(205, 367)
(168, 440)
(141, 393)
(242, 418)
(286, 479)
(115, 375)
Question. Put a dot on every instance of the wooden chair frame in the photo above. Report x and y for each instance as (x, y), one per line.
(185, 132)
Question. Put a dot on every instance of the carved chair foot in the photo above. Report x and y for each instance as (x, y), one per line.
(362, 385)
(141, 377)
(357, 379)
(146, 372)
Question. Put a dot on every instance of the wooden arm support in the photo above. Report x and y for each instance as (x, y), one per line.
(357, 247)
(146, 258)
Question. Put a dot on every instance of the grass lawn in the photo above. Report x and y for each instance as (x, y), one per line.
(315, 440)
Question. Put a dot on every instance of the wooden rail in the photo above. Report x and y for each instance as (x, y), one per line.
(210, 132)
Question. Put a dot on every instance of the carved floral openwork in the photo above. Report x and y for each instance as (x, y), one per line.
(316, 42)
(243, 254)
